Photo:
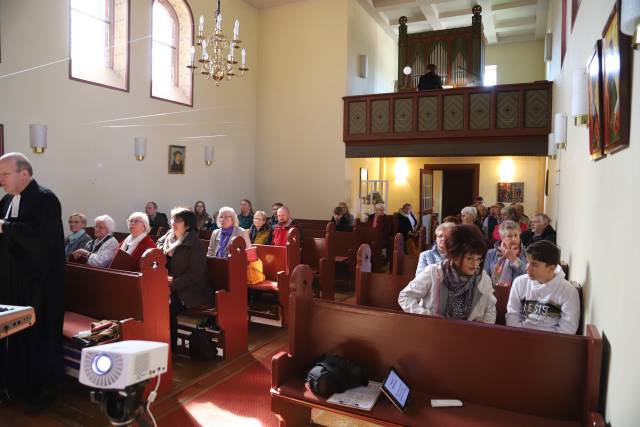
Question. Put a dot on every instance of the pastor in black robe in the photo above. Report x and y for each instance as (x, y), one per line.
(32, 274)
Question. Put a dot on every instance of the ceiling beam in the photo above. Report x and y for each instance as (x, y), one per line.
(514, 5)
(384, 23)
(429, 12)
(541, 18)
(488, 22)
(386, 5)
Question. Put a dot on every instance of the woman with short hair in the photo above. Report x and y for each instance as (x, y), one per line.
(456, 288)
(186, 264)
(100, 251)
(78, 238)
(508, 213)
(468, 215)
(228, 229)
(260, 231)
(507, 260)
(438, 252)
(203, 219)
(138, 241)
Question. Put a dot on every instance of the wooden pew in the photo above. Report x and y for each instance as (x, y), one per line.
(504, 376)
(278, 263)
(377, 289)
(403, 264)
(139, 300)
(317, 253)
(228, 308)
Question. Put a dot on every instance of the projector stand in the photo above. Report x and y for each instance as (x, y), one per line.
(122, 407)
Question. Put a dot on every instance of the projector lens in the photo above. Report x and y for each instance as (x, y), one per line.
(101, 364)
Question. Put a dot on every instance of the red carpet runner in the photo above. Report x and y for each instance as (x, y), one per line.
(241, 400)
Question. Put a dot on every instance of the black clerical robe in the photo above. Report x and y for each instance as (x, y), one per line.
(32, 274)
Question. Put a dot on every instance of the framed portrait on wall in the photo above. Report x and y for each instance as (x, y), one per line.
(177, 158)
(511, 192)
(616, 87)
(594, 72)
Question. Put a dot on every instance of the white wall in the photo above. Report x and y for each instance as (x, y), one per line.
(520, 62)
(595, 205)
(89, 162)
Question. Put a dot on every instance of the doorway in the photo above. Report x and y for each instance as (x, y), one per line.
(454, 187)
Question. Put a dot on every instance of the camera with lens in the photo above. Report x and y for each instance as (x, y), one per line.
(335, 374)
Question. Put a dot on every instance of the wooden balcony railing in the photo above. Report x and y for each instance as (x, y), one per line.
(510, 119)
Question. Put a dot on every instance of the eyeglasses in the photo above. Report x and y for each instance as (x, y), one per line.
(134, 221)
(473, 260)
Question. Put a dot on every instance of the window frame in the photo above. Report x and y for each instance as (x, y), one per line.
(110, 39)
(177, 55)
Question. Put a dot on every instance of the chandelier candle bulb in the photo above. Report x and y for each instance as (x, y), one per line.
(244, 58)
(236, 30)
(219, 23)
(192, 55)
(201, 26)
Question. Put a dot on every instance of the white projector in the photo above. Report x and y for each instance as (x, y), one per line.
(121, 364)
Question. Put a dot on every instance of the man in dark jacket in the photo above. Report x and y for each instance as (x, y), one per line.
(31, 274)
(430, 80)
(157, 220)
(540, 230)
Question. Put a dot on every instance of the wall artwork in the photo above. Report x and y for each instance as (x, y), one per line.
(594, 70)
(511, 192)
(177, 158)
(616, 69)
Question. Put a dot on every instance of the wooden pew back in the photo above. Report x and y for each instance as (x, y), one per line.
(376, 289)
(280, 258)
(531, 372)
(403, 264)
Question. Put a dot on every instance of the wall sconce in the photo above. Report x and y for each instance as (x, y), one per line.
(364, 174)
(140, 147)
(208, 154)
(552, 148)
(630, 21)
(548, 47)
(38, 138)
(506, 170)
(401, 171)
(362, 66)
(579, 98)
(560, 130)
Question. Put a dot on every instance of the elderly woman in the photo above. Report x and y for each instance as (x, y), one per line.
(260, 231)
(138, 241)
(457, 287)
(100, 251)
(507, 260)
(468, 215)
(78, 237)
(438, 252)
(187, 265)
(228, 229)
(203, 219)
(508, 213)
(245, 217)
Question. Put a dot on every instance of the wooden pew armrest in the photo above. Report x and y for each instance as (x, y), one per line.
(131, 329)
(283, 367)
(595, 420)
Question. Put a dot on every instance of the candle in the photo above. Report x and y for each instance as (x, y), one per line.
(231, 54)
(192, 54)
(201, 25)
(219, 22)
(244, 57)
(236, 30)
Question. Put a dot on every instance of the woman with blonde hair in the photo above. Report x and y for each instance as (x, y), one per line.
(260, 231)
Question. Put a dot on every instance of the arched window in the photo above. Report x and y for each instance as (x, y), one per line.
(172, 38)
(99, 40)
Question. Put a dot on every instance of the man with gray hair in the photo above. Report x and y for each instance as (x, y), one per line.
(31, 274)
(540, 230)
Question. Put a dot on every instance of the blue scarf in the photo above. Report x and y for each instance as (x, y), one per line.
(71, 240)
(225, 236)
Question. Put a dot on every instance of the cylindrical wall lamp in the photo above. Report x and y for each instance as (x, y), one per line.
(579, 97)
(560, 129)
(38, 138)
(140, 147)
(208, 155)
(552, 147)
(630, 21)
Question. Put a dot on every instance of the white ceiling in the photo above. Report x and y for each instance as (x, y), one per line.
(504, 20)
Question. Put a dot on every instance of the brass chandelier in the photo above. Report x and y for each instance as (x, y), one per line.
(221, 63)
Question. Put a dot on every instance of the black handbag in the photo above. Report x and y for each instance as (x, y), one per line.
(335, 374)
(200, 345)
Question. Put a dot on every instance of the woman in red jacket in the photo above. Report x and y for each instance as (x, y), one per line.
(138, 241)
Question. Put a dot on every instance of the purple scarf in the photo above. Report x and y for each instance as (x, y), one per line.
(225, 236)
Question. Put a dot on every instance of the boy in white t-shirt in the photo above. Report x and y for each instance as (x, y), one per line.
(542, 299)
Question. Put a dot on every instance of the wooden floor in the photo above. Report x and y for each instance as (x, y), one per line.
(190, 379)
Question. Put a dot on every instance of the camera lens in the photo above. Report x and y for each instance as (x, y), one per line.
(101, 364)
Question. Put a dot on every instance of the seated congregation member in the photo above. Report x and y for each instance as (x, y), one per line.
(138, 241)
(438, 252)
(542, 299)
(491, 221)
(347, 214)
(340, 219)
(260, 231)
(78, 238)
(245, 217)
(507, 213)
(457, 287)
(452, 219)
(540, 230)
(157, 220)
(522, 218)
(228, 229)
(378, 219)
(273, 219)
(469, 215)
(203, 219)
(281, 229)
(408, 227)
(100, 251)
(507, 259)
(186, 264)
